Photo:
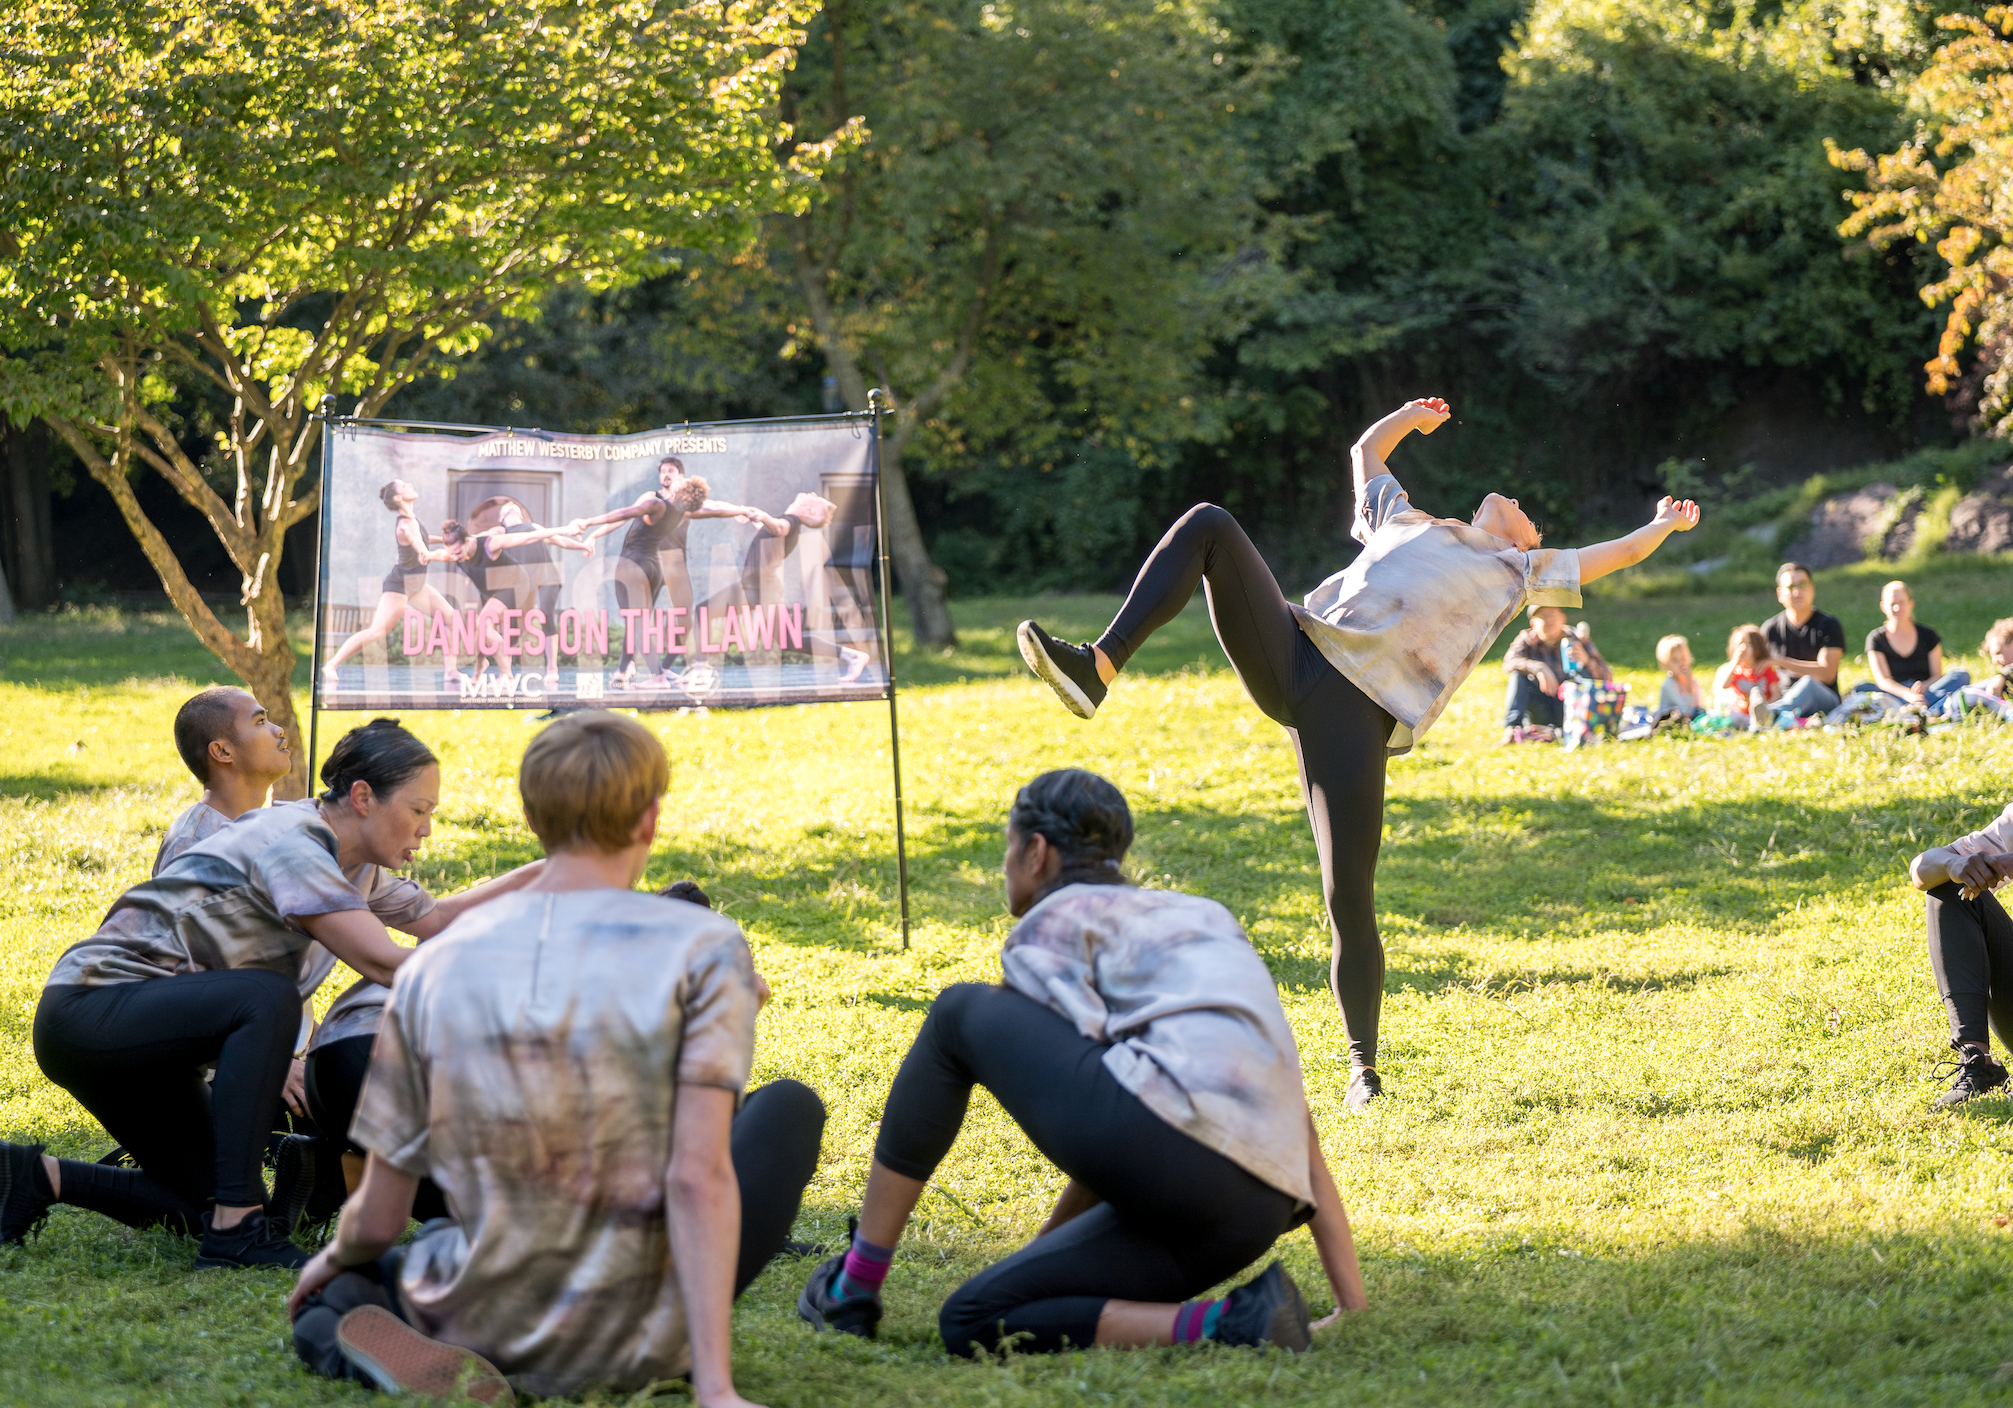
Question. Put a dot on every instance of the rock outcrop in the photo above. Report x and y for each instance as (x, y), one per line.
(1982, 521)
(1841, 524)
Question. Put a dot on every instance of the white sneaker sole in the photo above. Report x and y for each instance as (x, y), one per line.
(1066, 689)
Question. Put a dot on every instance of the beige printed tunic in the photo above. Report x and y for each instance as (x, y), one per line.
(1189, 1010)
(198, 823)
(1412, 616)
(529, 1062)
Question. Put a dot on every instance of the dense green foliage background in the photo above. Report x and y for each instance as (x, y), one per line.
(1606, 229)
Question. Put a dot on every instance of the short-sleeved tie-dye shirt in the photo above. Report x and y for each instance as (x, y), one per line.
(1189, 1009)
(198, 823)
(1412, 616)
(235, 900)
(529, 1062)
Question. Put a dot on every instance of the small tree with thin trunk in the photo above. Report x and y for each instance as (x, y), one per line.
(273, 200)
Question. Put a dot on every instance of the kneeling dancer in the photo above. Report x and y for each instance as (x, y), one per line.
(207, 963)
(1360, 672)
(1139, 1041)
(565, 1064)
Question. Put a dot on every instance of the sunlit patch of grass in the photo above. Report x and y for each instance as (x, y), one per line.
(1659, 1033)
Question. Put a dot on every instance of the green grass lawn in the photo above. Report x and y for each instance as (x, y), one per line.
(1659, 1029)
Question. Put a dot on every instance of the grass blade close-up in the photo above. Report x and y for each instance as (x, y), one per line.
(1659, 1034)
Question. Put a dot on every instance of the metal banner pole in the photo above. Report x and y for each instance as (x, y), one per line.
(326, 415)
(875, 400)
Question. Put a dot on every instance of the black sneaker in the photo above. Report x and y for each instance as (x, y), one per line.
(308, 1184)
(854, 1315)
(1977, 1072)
(1069, 670)
(23, 1204)
(1364, 1086)
(792, 1247)
(1268, 1309)
(257, 1241)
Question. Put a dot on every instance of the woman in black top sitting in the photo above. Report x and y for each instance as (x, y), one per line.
(1906, 658)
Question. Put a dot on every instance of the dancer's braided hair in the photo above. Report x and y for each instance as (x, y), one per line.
(1083, 817)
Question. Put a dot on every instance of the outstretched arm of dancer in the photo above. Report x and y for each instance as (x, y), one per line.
(1671, 517)
(1332, 1238)
(446, 911)
(1374, 446)
(642, 508)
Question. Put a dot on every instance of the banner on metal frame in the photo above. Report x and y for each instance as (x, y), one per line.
(722, 565)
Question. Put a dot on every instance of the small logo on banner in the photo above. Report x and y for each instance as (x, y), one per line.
(699, 681)
(588, 684)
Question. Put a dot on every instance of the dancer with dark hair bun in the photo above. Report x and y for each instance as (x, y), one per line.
(404, 589)
(1362, 670)
(1139, 1041)
(206, 964)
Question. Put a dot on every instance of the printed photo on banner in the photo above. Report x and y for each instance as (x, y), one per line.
(725, 565)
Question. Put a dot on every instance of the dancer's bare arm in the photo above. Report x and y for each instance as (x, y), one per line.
(1374, 446)
(702, 1216)
(720, 508)
(373, 1219)
(1332, 1238)
(1075, 1201)
(640, 509)
(768, 522)
(1612, 556)
(1978, 874)
(446, 911)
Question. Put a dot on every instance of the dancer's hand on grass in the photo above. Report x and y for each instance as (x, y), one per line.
(315, 1275)
(1679, 517)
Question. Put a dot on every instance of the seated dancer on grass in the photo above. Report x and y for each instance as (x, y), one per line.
(206, 964)
(565, 1065)
(1138, 1040)
(236, 752)
(1359, 673)
(1971, 949)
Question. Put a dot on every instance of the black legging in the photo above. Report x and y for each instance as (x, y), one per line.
(1339, 734)
(774, 1139)
(1177, 1216)
(334, 1080)
(627, 595)
(1971, 953)
(133, 1055)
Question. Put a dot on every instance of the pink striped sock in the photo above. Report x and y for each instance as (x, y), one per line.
(865, 1269)
(1195, 1319)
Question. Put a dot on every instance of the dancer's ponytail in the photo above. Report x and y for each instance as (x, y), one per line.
(1084, 817)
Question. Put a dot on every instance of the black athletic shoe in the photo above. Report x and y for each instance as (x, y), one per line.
(1268, 1309)
(23, 1204)
(1977, 1072)
(854, 1315)
(1364, 1086)
(1069, 670)
(308, 1184)
(793, 1247)
(257, 1241)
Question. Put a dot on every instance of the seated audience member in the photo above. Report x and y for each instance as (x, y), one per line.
(1139, 1042)
(236, 752)
(1971, 949)
(1906, 658)
(1805, 644)
(565, 1064)
(206, 964)
(1582, 658)
(1536, 666)
(1748, 684)
(1990, 693)
(1681, 693)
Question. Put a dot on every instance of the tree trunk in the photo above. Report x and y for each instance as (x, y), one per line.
(29, 554)
(922, 580)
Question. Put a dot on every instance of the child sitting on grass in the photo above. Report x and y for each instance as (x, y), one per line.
(1747, 685)
(1681, 693)
(1990, 693)
(565, 1065)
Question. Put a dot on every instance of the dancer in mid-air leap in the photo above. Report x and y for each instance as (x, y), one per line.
(1362, 670)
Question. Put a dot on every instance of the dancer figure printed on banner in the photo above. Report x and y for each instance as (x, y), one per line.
(516, 569)
(1361, 670)
(405, 587)
(776, 540)
(652, 556)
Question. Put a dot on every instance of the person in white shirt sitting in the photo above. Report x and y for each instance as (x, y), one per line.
(1360, 671)
(565, 1063)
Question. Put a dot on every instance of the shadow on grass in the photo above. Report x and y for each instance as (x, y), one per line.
(50, 786)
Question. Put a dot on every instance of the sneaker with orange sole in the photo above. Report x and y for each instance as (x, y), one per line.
(399, 1359)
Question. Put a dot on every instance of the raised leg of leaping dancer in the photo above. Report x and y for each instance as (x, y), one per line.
(1360, 671)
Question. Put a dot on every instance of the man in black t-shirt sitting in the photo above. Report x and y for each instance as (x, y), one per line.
(1806, 643)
